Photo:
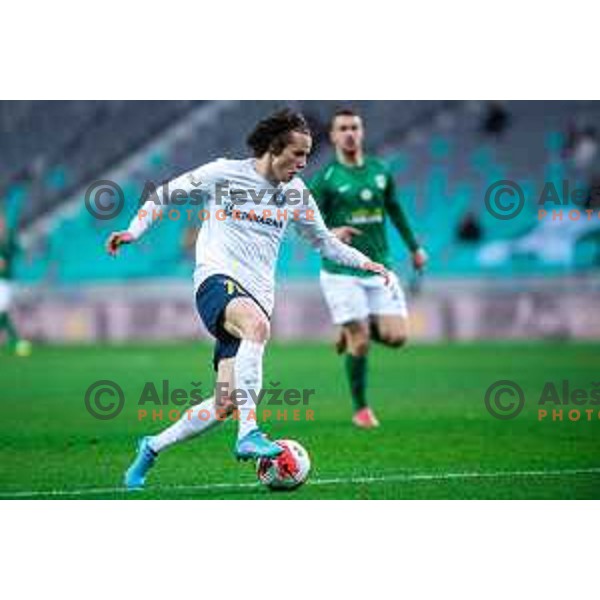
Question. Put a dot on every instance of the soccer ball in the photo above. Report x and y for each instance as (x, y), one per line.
(286, 471)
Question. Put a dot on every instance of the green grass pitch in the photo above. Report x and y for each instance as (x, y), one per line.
(436, 441)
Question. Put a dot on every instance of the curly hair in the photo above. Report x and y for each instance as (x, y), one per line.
(272, 133)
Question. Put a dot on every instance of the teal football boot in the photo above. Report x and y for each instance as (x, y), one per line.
(135, 476)
(256, 445)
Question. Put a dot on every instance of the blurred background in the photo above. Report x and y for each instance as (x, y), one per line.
(488, 278)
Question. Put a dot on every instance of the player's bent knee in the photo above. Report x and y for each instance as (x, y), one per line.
(394, 340)
(257, 329)
(244, 320)
(253, 327)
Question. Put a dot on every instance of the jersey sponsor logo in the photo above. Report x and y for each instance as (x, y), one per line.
(240, 215)
(278, 198)
(366, 216)
(261, 196)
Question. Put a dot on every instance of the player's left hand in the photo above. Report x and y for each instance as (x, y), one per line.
(377, 269)
(420, 259)
(345, 233)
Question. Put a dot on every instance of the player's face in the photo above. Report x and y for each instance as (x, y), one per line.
(347, 133)
(292, 159)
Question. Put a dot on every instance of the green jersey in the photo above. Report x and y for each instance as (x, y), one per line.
(8, 249)
(364, 198)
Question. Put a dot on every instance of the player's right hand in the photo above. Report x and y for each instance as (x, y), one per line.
(420, 259)
(116, 240)
(345, 233)
(378, 269)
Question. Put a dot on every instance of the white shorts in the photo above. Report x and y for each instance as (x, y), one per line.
(5, 295)
(353, 298)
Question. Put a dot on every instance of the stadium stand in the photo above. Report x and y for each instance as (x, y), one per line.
(441, 154)
(51, 147)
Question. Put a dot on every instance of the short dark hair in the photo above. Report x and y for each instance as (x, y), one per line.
(272, 133)
(342, 112)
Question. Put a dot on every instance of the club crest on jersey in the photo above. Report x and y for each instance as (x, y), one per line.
(380, 181)
(366, 195)
(278, 198)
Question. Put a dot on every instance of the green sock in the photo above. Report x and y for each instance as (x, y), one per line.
(7, 325)
(356, 371)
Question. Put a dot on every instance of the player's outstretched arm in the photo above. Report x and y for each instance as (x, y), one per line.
(401, 223)
(140, 222)
(312, 228)
(202, 177)
(138, 225)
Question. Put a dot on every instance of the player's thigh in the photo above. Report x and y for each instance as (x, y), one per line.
(388, 311)
(244, 319)
(345, 298)
(230, 315)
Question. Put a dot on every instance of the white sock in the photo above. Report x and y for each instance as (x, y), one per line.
(201, 418)
(248, 377)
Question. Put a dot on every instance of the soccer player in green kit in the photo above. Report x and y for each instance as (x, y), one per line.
(8, 249)
(356, 195)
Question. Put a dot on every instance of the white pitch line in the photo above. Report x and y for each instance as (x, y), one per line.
(399, 478)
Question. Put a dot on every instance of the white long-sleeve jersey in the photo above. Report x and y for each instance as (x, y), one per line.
(238, 238)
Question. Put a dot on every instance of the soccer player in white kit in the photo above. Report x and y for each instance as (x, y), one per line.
(250, 204)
